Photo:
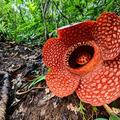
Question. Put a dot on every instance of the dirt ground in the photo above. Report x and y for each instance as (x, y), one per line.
(24, 63)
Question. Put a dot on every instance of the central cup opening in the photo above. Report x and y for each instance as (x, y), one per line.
(80, 56)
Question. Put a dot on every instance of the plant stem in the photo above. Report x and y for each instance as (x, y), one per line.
(108, 109)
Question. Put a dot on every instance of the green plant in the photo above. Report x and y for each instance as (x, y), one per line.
(37, 80)
(34, 21)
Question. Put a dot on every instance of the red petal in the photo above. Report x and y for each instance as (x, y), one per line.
(62, 83)
(107, 34)
(75, 33)
(102, 85)
(54, 49)
(53, 52)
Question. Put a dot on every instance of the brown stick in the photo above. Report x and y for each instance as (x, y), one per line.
(108, 109)
(24, 92)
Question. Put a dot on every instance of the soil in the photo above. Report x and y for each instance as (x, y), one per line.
(23, 63)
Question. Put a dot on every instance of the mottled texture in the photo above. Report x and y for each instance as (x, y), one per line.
(86, 58)
(53, 52)
(102, 85)
(61, 82)
(107, 35)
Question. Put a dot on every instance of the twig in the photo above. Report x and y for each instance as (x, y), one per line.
(27, 91)
(108, 109)
(3, 72)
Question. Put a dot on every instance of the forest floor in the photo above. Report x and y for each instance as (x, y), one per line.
(24, 63)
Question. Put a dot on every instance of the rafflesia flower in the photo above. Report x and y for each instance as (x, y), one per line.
(85, 58)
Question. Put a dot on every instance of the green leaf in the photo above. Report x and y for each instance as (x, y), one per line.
(114, 117)
(37, 80)
(94, 108)
(32, 7)
(109, 5)
(82, 108)
(19, 1)
(109, 1)
(101, 119)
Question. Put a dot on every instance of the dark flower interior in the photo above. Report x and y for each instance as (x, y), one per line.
(81, 56)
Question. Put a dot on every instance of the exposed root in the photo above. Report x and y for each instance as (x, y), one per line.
(4, 94)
